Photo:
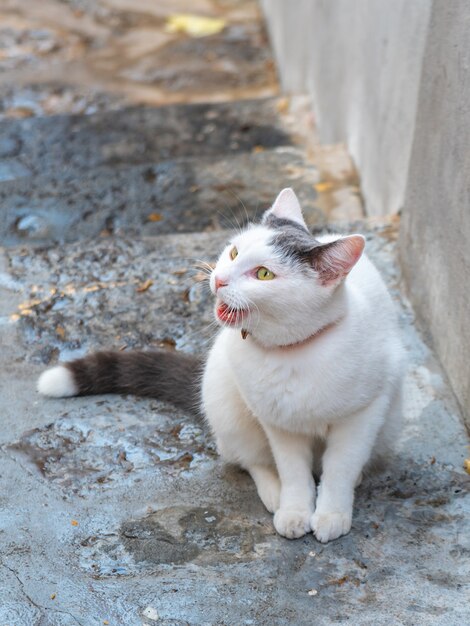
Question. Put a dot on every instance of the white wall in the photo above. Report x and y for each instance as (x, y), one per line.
(435, 228)
(361, 61)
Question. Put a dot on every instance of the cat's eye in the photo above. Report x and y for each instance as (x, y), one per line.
(233, 253)
(262, 273)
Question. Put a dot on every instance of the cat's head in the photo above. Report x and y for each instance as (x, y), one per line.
(278, 282)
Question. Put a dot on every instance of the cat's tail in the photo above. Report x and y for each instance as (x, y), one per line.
(170, 376)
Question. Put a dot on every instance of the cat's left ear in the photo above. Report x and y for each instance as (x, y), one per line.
(286, 207)
(333, 261)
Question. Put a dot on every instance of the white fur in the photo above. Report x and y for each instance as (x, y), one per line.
(269, 405)
(57, 382)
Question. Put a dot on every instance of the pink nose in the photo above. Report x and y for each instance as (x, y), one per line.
(219, 283)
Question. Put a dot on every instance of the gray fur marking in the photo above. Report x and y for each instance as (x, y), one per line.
(292, 241)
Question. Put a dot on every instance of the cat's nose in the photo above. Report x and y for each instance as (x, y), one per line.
(219, 283)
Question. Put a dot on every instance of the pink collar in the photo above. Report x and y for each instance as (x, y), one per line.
(296, 344)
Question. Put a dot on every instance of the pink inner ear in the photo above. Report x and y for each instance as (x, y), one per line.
(335, 260)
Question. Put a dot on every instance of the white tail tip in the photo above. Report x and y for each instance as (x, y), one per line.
(57, 382)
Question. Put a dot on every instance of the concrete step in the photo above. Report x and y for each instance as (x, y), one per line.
(75, 459)
(60, 145)
(88, 55)
(183, 195)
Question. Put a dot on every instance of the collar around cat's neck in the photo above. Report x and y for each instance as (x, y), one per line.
(296, 344)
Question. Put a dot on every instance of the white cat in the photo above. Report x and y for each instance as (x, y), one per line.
(306, 371)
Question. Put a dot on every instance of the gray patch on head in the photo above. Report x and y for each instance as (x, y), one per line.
(278, 223)
(293, 242)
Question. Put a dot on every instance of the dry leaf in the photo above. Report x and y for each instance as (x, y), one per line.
(324, 186)
(339, 581)
(52, 596)
(167, 343)
(144, 286)
(466, 465)
(257, 149)
(175, 431)
(19, 112)
(283, 105)
(154, 217)
(194, 25)
(74, 522)
(27, 305)
(60, 331)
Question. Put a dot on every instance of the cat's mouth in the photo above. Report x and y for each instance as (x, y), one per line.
(229, 315)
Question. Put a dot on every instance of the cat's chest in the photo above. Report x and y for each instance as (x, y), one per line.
(292, 390)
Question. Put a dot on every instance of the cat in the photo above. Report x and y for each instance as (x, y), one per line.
(305, 373)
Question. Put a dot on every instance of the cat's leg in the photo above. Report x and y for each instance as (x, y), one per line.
(348, 448)
(241, 440)
(239, 436)
(268, 485)
(390, 431)
(293, 455)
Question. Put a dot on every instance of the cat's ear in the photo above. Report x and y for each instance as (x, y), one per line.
(333, 261)
(286, 207)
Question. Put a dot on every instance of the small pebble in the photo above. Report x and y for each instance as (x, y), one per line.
(151, 613)
(312, 592)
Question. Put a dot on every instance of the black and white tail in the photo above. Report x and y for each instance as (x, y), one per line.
(170, 376)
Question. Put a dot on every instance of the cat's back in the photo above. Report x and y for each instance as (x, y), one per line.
(371, 308)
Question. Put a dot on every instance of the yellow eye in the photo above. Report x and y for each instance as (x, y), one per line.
(262, 273)
(233, 253)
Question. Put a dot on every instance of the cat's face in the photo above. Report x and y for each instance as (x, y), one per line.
(274, 278)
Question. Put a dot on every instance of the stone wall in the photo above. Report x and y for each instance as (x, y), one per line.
(361, 62)
(435, 229)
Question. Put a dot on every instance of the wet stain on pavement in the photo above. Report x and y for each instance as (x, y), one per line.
(174, 536)
(118, 447)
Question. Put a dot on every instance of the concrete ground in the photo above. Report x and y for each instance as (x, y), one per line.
(116, 510)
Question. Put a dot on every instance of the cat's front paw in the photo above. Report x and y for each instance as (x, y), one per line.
(292, 523)
(329, 526)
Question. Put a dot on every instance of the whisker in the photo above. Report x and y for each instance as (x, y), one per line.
(236, 227)
(200, 331)
(243, 205)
